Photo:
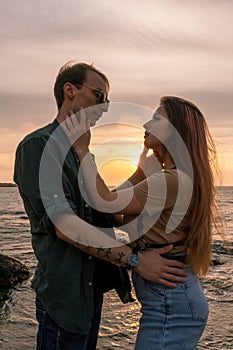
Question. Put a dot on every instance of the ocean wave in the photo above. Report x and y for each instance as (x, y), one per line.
(219, 247)
(11, 212)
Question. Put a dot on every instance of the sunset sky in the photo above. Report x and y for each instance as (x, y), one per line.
(147, 49)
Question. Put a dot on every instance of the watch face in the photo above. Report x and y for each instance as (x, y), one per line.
(133, 259)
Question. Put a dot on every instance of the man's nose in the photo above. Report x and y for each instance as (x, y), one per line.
(104, 106)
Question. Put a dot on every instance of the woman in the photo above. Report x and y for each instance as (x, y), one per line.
(175, 204)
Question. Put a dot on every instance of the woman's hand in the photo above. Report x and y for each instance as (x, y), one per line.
(77, 129)
(149, 164)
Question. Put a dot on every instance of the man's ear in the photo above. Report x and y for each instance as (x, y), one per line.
(68, 90)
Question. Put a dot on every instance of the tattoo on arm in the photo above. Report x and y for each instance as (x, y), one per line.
(121, 255)
(107, 253)
(100, 252)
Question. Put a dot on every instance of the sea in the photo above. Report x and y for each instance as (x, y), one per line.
(119, 321)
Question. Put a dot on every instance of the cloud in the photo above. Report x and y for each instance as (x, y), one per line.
(8, 142)
(147, 49)
(129, 25)
(217, 105)
(11, 137)
(19, 108)
(170, 44)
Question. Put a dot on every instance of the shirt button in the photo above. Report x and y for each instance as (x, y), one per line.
(90, 257)
(90, 284)
(55, 196)
(86, 205)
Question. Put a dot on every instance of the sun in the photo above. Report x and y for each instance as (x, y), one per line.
(116, 171)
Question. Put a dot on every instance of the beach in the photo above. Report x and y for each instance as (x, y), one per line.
(119, 322)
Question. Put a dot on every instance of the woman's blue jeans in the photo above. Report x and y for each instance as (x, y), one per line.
(172, 319)
(51, 336)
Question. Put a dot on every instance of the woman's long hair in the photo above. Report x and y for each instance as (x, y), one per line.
(191, 126)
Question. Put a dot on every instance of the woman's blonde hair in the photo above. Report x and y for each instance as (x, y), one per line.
(192, 127)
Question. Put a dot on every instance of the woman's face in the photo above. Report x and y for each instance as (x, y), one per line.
(158, 129)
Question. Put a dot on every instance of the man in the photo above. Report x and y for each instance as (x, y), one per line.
(68, 282)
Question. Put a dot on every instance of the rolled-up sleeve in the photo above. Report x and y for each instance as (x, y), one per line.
(42, 182)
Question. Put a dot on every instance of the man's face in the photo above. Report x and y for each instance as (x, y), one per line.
(88, 95)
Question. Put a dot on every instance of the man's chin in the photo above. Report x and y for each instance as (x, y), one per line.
(93, 116)
(92, 123)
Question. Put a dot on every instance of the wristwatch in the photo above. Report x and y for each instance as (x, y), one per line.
(133, 259)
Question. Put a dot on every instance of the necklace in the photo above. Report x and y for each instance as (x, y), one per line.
(163, 167)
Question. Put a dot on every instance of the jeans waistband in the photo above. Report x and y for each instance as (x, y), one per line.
(175, 256)
(179, 256)
(158, 245)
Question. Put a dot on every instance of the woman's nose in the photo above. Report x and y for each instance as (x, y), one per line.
(147, 125)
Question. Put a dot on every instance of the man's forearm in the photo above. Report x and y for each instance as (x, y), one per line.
(97, 244)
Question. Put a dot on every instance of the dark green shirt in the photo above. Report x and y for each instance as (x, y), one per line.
(64, 276)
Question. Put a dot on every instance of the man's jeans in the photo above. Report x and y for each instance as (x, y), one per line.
(51, 336)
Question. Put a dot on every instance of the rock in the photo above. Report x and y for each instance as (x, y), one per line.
(216, 261)
(12, 272)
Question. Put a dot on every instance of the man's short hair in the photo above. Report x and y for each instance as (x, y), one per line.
(74, 73)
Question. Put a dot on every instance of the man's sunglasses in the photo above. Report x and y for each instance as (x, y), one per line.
(100, 94)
